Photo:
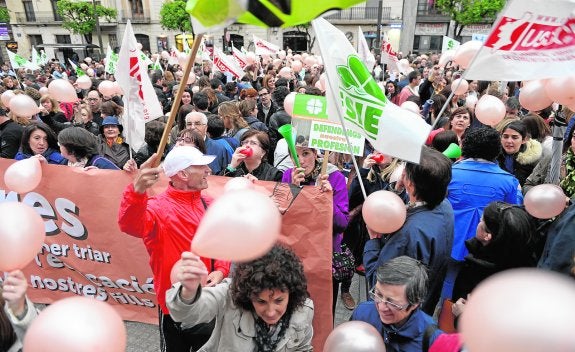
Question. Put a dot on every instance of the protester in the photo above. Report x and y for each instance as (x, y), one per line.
(459, 122)
(16, 311)
(266, 106)
(520, 153)
(10, 135)
(198, 121)
(83, 118)
(427, 233)
(152, 138)
(111, 143)
(94, 100)
(395, 310)
(249, 110)
(80, 148)
(235, 124)
(253, 166)
(39, 139)
(167, 224)
(191, 138)
(264, 307)
(180, 124)
(51, 115)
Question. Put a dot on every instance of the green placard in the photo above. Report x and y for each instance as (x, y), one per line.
(310, 107)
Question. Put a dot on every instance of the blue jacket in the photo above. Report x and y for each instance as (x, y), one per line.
(427, 236)
(560, 244)
(223, 158)
(101, 162)
(51, 155)
(407, 338)
(474, 184)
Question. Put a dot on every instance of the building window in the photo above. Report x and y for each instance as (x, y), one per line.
(237, 40)
(137, 7)
(63, 39)
(145, 41)
(57, 17)
(29, 11)
(427, 8)
(425, 43)
(35, 40)
(295, 40)
(113, 40)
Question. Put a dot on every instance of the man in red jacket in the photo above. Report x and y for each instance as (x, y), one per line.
(167, 223)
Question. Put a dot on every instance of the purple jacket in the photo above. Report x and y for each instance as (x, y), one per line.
(340, 202)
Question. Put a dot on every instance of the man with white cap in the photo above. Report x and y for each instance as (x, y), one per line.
(167, 223)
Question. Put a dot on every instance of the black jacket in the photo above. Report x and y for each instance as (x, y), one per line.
(262, 116)
(264, 172)
(10, 138)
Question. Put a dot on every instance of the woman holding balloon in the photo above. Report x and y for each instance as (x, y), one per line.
(39, 139)
(250, 159)
(264, 307)
(16, 311)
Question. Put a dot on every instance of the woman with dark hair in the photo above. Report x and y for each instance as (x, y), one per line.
(80, 147)
(110, 108)
(39, 139)
(192, 138)
(16, 311)
(111, 143)
(520, 153)
(459, 121)
(250, 159)
(249, 110)
(264, 307)
(152, 137)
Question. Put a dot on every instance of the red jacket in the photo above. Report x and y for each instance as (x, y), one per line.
(167, 224)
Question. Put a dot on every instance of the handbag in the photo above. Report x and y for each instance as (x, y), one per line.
(343, 264)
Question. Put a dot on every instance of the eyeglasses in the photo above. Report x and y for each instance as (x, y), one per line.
(194, 123)
(263, 94)
(187, 140)
(250, 142)
(377, 298)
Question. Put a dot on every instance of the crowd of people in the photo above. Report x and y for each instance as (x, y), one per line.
(465, 220)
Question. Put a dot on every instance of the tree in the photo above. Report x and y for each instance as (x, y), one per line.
(173, 16)
(4, 15)
(466, 12)
(78, 16)
(304, 28)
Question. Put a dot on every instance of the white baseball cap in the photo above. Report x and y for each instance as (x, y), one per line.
(181, 157)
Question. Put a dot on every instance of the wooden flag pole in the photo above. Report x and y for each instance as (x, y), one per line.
(175, 102)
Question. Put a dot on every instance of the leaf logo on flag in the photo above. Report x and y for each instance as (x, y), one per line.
(20, 60)
(360, 96)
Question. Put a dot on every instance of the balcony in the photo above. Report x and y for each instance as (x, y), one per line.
(430, 13)
(37, 17)
(141, 17)
(359, 15)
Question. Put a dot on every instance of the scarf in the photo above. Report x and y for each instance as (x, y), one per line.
(268, 337)
(79, 163)
(312, 177)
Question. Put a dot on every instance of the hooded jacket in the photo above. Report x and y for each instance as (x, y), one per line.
(524, 161)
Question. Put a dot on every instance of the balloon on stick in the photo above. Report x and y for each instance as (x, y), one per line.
(529, 324)
(545, 201)
(238, 226)
(354, 336)
(21, 235)
(77, 324)
(490, 110)
(24, 175)
(384, 212)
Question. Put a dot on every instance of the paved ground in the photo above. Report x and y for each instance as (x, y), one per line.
(145, 337)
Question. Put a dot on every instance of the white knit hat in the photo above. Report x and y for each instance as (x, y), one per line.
(181, 157)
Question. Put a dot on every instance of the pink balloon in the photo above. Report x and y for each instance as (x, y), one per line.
(6, 97)
(459, 86)
(83, 66)
(24, 175)
(310, 61)
(286, 72)
(297, 57)
(470, 102)
(282, 54)
(296, 65)
(446, 56)
(191, 78)
(277, 63)
(238, 183)
(62, 91)
(528, 324)
(107, 88)
(354, 336)
(465, 53)
(84, 82)
(561, 89)
(384, 212)
(165, 55)
(117, 89)
(533, 96)
(77, 324)
(239, 226)
(490, 110)
(545, 201)
(23, 105)
(403, 65)
(90, 72)
(21, 234)
(183, 59)
(250, 58)
(289, 103)
(410, 106)
(88, 60)
(43, 90)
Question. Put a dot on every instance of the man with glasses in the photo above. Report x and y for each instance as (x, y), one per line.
(94, 101)
(198, 121)
(394, 310)
(266, 107)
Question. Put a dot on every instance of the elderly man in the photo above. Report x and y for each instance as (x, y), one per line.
(94, 100)
(427, 234)
(198, 121)
(395, 306)
(167, 223)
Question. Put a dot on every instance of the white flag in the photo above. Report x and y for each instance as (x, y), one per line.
(363, 50)
(140, 100)
(145, 59)
(530, 40)
(264, 47)
(239, 57)
(111, 61)
(37, 58)
(225, 63)
(449, 44)
(388, 55)
(173, 59)
(185, 45)
(18, 61)
(354, 98)
(157, 66)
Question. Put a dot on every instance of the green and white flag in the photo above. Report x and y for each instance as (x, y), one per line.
(38, 59)
(79, 71)
(185, 45)
(145, 59)
(355, 99)
(111, 61)
(18, 61)
(449, 44)
(157, 66)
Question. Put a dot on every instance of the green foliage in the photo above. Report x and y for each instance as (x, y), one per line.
(173, 16)
(4, 15)
(78, 17)
(466, 12)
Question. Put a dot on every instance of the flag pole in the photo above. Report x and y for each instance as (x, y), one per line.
(175, 105)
